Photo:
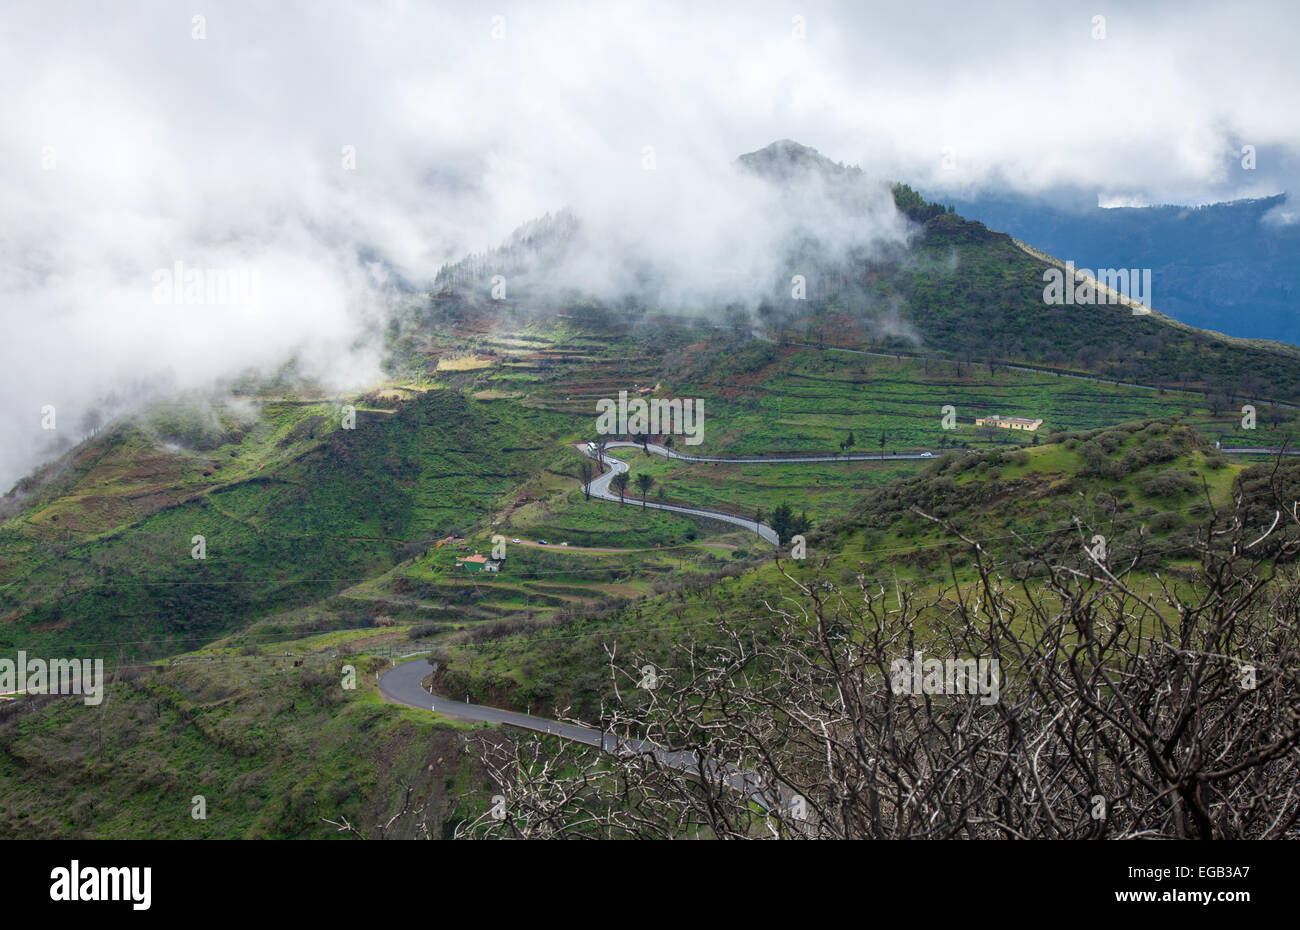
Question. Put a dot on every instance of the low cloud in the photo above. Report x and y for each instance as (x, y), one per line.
(130, 144)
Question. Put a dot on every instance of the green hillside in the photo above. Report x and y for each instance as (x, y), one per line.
(319, 514)
(1149, 488)
(329, 545)
(271, 749)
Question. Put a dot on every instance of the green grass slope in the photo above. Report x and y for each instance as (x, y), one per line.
(345, 507)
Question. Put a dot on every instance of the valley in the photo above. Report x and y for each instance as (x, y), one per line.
(234, 556)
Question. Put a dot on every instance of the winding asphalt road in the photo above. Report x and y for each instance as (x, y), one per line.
(402, 684)
(1256, 450)
(599, 487)
(773, 459)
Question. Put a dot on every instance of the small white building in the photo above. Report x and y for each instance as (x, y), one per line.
(1019, 423)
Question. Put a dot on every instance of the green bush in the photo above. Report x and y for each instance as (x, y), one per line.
(1167, 483)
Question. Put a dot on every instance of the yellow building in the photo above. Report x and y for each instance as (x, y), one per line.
(1021, 423)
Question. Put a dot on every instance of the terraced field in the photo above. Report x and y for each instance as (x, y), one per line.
(322, 542)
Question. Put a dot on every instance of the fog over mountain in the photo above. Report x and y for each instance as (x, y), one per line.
(346, 153)
(780, 211)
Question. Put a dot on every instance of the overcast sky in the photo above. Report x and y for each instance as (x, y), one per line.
(129, 144)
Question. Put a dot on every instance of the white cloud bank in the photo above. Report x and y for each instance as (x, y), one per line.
(128, 145)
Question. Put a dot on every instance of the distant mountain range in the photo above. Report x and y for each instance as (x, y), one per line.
(1228, 267)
